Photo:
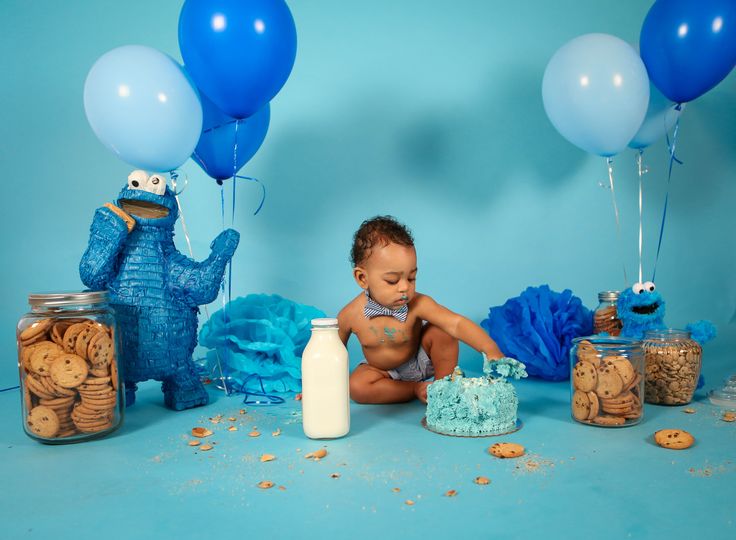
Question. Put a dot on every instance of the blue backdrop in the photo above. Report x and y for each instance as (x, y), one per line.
(430, 111)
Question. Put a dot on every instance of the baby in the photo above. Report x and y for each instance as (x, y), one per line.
(406, 336)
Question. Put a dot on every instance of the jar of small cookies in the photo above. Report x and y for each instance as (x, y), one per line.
(673, 362)
(67, 358)
(606, 381)
(605, 317)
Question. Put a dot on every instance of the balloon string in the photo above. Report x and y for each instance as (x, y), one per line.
(609, 162)
(232, 213)
(263, 190)
(218, 126)
(639, 159)
(673, 159)
(174, 177)
(225, 317)
(270, 398)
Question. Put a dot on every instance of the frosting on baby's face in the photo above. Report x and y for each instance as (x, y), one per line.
(389, 274)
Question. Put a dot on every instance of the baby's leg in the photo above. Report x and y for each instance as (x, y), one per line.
(373, 385)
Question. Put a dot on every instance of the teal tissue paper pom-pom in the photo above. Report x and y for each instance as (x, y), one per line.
(259, 340)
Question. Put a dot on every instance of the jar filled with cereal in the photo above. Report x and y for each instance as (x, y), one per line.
(67, 358)
(605, 318)
(606, 381)
(673, 366)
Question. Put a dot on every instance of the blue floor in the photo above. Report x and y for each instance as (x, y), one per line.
(576, 481)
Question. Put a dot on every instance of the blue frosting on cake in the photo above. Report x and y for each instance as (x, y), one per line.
(475, 406)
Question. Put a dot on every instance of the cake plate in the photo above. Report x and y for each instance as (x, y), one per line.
(517, 427)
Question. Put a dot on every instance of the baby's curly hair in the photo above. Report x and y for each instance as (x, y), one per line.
(379, 230)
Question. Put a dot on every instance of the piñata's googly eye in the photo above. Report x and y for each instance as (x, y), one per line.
(156, 184)
(638, 288)
(137, 179)
(649, 286)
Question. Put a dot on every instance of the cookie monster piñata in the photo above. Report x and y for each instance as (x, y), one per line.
(641, 308)
(154, 289)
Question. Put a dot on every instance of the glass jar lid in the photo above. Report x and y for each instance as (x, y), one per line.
(82, 298)
(611, 345)
(667, 334)
(608, 296)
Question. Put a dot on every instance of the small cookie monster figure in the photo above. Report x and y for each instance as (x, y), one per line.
(641, 308)
(154, 290)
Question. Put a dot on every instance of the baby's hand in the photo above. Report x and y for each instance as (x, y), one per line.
(503, 368)
(420, 390)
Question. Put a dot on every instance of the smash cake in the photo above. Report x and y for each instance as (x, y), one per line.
(475, 406)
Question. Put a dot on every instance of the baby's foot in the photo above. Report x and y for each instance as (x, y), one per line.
(420, 390)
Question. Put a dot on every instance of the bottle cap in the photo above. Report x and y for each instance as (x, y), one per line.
(324, 323)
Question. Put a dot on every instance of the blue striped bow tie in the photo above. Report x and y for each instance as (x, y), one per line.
(374, 309)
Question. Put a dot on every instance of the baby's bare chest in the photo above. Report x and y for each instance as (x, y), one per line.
(387, 332)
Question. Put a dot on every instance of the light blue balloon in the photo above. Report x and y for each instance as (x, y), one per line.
(661, 115)
(142, 106)
(596, 92)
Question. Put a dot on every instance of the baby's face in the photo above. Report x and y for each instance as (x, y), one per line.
(390, 274)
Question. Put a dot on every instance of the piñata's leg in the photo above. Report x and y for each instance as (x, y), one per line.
(184, 390)
(130, 390)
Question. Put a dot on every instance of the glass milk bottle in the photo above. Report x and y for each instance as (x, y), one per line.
(325, 388)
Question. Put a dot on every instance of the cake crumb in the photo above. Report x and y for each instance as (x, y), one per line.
(533, 464)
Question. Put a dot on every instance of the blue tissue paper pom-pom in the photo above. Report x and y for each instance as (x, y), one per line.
(261, 343)
(537, 328)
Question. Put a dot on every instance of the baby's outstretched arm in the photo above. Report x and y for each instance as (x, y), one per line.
(344, 328)
(457, 326)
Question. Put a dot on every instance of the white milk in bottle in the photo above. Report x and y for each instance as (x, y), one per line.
(325, 387)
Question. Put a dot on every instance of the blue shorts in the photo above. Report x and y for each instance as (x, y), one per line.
(415, 369)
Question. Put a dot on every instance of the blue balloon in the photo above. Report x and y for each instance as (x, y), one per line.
(689, 46)
(661, 115)
(142, 106)
(216, 151)
(239, 53)
(595, 91)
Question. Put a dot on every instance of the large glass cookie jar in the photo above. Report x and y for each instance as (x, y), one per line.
(606, 381)
(673, 362)
(68, 364)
